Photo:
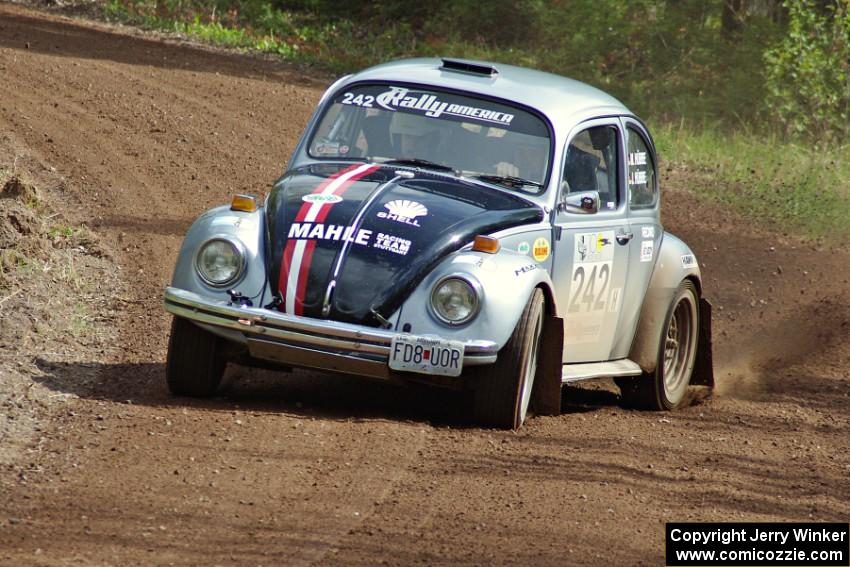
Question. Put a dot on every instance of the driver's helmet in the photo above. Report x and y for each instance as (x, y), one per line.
(418, 132)
(530, 154)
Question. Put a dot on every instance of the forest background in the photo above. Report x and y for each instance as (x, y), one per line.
(749, 100)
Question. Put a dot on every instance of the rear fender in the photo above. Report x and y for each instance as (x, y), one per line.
(676, 262)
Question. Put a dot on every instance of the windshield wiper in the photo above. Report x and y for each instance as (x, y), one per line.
(510, 180)
(419, 162)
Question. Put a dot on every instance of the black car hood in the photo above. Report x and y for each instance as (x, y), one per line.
(396, 228)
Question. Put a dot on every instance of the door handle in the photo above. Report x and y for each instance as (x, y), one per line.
(624, 237)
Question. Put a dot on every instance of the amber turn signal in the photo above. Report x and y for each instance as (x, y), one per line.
(245, 203)
(486, 244)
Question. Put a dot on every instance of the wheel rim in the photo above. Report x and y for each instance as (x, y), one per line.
(679, 345)
(530, 370)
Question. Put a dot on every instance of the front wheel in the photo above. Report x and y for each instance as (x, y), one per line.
(666, 388)
(503, 392)
(194, 366)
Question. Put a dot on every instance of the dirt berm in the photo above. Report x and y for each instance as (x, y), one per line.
(135, 136)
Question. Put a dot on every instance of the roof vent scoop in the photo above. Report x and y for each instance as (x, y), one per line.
(470, 67)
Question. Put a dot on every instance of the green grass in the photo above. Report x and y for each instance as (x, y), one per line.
(801, 186)
(194, 25)
(60, 231)
(663, 73)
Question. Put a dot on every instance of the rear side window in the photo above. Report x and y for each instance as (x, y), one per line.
(643, 186)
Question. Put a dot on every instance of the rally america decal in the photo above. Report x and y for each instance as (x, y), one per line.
(425, 103)
(308, 228)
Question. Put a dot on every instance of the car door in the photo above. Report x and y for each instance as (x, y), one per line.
(644, 224)
(593, 248)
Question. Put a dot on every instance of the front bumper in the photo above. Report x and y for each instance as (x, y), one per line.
(305, 342)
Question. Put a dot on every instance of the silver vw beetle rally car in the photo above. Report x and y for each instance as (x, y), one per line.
(480, 227)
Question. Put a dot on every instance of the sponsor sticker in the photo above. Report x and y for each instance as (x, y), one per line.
(646, 248)
(594, 246)
(689, 261)
(321, 198)
(647, 231)
(404, 211)
(400, 98)
(321, 231)
(327, 149)
(540, 250)
(523, 248)
(524, 269)
(391, 243)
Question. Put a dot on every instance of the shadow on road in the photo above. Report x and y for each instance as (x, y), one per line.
(299, 392)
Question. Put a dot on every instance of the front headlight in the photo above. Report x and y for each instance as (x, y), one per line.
(455, 300)
(220, 262)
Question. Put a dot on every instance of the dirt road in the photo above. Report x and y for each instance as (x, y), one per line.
(317, 469)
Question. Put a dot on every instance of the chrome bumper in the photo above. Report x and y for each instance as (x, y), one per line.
(301, 341)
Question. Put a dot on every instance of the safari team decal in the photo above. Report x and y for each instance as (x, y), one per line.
(298, 254)
(540, 250)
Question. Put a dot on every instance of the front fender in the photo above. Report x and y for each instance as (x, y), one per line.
(507, 280)
(676, 262)
(245, 228)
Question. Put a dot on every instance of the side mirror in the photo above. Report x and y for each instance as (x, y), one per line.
(585, 203)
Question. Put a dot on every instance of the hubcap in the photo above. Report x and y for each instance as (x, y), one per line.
(678, 346)
(530, 370)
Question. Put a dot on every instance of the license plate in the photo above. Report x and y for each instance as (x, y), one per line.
(426, 355)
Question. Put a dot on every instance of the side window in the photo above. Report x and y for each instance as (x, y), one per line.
(643, 188)
(591, 165)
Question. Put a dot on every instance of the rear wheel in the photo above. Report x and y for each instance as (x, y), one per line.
(665, 388)
(194, 366)
(503, 392)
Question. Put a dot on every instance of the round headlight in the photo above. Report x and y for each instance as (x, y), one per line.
(219, 262)
(454, 300)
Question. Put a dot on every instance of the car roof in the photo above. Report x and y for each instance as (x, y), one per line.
(560, 98)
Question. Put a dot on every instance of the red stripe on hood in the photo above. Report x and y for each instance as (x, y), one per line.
(307, 258)
(304, 268)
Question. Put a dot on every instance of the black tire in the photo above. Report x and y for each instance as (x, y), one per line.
(503, 391)
(666, 388)
(194, 365)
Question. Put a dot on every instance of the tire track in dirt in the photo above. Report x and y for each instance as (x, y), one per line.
(309, 468)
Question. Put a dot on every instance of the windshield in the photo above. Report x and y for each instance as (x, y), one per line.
(474, 136)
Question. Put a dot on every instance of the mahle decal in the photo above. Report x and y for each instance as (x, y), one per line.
(320, 231)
